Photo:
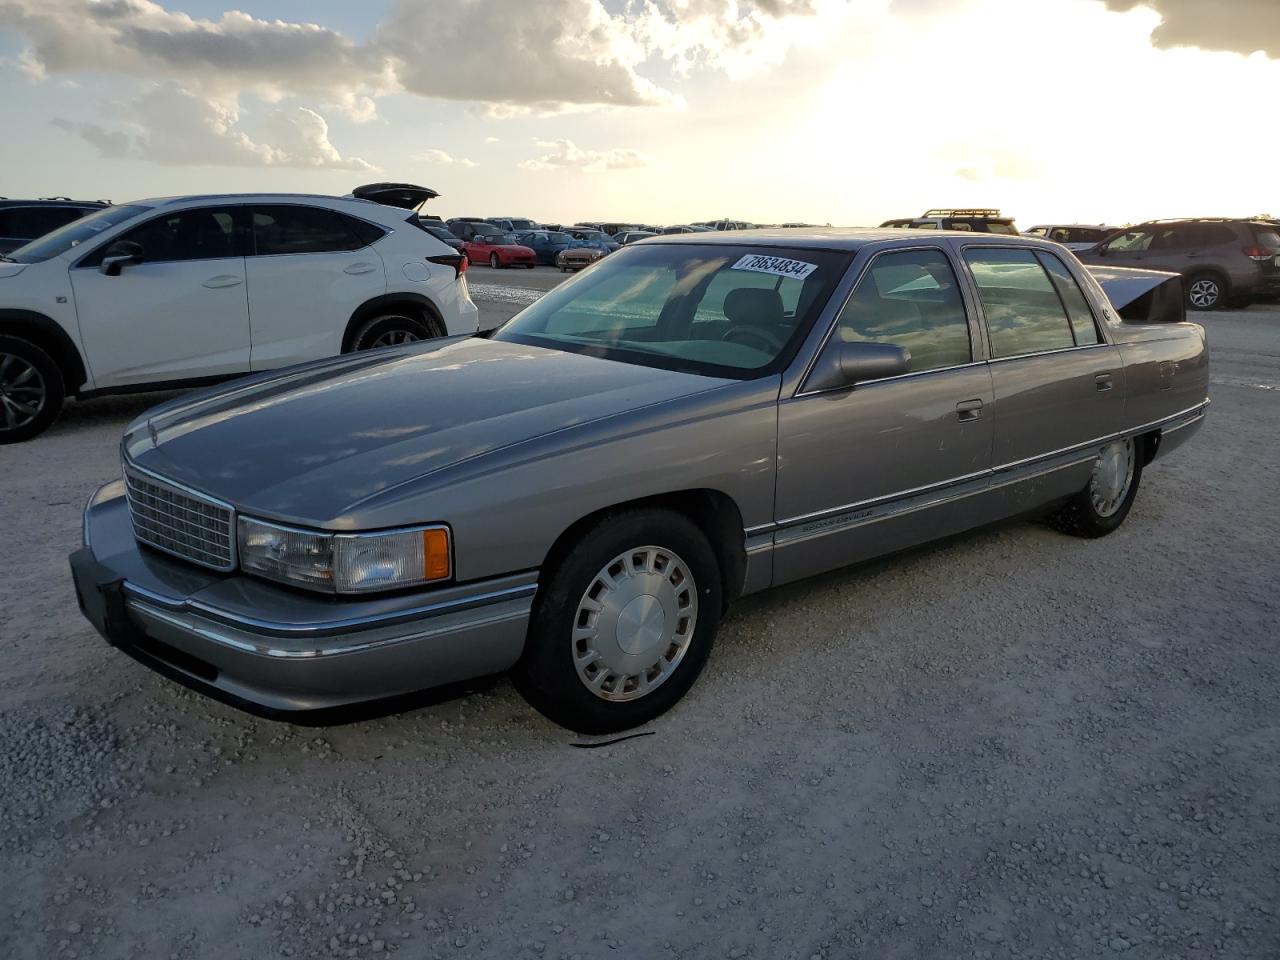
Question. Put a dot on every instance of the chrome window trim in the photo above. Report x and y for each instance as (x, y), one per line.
(1049, 353)
(1190, 413)
(834, 323)
(900, 376)
(322, 628)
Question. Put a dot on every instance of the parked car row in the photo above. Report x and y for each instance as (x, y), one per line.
(1224, 261)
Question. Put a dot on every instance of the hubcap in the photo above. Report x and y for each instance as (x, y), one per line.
(394, 338)
(22, 391)
(634, 623)
(1204, 293)
(1112, 477)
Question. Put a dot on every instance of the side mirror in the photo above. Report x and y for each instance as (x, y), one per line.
(119, 255)
(844, 364)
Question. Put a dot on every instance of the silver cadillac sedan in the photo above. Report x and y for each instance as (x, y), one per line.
(578, 497)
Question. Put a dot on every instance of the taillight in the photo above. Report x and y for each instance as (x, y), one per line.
(1260, 254)
(459, 262)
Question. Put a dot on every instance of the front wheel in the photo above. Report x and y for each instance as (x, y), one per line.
(625, 624)
(1102, 506)
(1205, 291)
(31, 390)
(493, 261)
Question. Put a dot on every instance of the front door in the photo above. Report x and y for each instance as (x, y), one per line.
(883, 465)
(179, 314)
(310, 270)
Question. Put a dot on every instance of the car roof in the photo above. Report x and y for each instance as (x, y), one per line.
(832, 238)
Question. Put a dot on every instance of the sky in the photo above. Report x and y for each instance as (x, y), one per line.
(847, 112)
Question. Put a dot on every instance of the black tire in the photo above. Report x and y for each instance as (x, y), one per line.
(494, 261)
(1206, 291)
(1080, 517)
(28, 378)
(546, 674)
(530, 265)
(394, 327)
(564, 269)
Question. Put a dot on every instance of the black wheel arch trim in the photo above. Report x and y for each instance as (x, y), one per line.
(372, 307)
(45, 332)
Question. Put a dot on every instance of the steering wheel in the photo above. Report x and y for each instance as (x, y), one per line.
(772, 343)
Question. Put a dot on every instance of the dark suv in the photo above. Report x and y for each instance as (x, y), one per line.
(21, 221)
(1222, 261)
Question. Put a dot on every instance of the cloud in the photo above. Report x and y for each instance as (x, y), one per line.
(175, 127)
(512, 54)
(566, 154)
(440, 158)
(1245, 26)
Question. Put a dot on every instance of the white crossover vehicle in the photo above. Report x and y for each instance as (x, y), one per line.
(186, 291)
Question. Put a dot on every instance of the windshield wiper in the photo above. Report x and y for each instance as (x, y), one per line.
(7, 259)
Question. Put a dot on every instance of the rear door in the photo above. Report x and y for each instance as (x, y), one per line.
(1059, 386)
(886, 463)
(310, 270)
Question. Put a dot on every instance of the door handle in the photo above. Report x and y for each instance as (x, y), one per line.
(223, 280)
(969, 410)
(359, 268)
(1103, 381)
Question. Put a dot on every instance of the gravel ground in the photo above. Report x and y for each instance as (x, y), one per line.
(1013, 744)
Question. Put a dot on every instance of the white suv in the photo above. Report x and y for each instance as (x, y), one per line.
(187, 291)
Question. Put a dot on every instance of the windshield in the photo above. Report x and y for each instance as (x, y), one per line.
(591, 235)
(520, 224)
(559, 238)
(721, 311)
(75, 233)
(440, 233)
(1003, 227)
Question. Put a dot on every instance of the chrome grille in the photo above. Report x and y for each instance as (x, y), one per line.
(180, 521)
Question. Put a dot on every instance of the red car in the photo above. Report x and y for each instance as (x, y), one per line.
(499, 250)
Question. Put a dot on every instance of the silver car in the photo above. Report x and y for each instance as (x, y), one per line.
(579, 497)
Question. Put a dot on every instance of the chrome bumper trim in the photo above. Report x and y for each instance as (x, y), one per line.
(329, 627)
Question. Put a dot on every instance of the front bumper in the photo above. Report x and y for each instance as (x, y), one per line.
(281, 653)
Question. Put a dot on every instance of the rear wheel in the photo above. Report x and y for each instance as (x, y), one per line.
(530, 265)
(1102, 506)
(31, 390)
(391, 330)
(1206, 291)
(625, 624)
(493, 261)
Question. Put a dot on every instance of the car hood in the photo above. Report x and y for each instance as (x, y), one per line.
(307, 444)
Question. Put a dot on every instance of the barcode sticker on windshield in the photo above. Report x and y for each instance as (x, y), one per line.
(778, 266)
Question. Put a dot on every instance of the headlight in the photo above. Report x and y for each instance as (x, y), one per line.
(344, 562)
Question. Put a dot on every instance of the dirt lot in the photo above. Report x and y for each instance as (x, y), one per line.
(1014, 744)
